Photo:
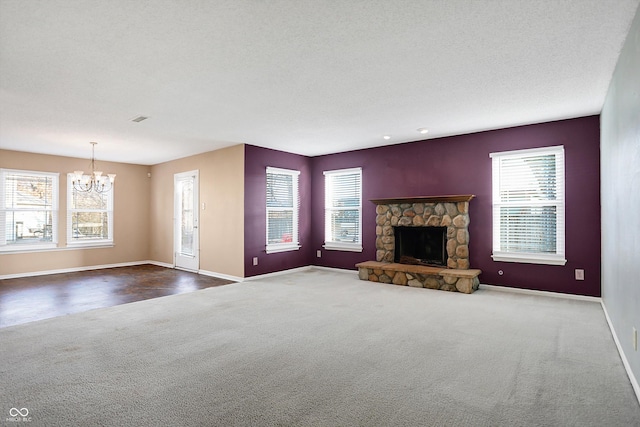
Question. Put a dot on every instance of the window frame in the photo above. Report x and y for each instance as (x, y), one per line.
(101, 242)
(55, 210)
(557, 258)
(330, 244)
(294, 245)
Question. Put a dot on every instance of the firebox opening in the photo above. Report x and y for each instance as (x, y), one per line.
(421, 245)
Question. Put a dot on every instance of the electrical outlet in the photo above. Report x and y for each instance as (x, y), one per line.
(635, 339)
(579, 274)
(318, 254)
(255, 260)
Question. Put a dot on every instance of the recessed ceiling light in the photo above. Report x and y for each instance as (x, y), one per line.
(423, 130)
(387, 137)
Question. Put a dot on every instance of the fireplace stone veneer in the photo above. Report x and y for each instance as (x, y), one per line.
(433, 211)
(438, 211)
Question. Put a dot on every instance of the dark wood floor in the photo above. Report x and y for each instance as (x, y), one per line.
(41, 297)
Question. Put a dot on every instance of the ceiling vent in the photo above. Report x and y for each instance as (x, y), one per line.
(139, 119)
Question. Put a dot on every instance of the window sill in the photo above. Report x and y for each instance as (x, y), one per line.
(41, 248)
(89, 245)
(336, 246)
(274, 249)
(530, 258)
(19, 249)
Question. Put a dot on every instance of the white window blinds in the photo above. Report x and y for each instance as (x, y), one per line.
(282, 210)
(528, 206)
(28, 210)
(343, 209)
(89, 217)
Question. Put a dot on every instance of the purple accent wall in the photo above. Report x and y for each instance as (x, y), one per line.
(255, 183)
(461, 165)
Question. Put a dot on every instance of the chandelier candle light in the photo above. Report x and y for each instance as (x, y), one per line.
(94, 182)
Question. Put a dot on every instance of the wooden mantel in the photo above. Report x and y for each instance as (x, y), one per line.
(425, 199)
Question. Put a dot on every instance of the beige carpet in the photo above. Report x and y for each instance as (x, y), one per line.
(320, 348)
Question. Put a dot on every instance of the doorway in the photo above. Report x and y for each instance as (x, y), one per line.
(185, 225)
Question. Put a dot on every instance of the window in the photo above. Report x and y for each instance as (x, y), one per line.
(528, 206)
(89, 217)
(282, 210)
(343, 210)
(28, 210)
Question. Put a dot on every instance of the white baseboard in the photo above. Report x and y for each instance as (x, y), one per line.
(274, 274)
(221, 275)
(335, 270)
(297, 270)
(277, 273)
(160, 264)
(541, 293)
(73, 269)
(625, 362)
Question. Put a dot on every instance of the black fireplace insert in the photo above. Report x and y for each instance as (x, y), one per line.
(421, 245)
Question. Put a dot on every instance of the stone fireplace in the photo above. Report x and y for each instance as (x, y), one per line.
(447, 219)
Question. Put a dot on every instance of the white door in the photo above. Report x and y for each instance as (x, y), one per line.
(186, 242)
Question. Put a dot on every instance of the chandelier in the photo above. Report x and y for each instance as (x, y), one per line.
(95, 181)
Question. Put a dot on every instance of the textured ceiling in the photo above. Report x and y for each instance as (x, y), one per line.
(304, 76)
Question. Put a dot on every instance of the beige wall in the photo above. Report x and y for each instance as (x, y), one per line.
(221, 175)
(143, 213)
(131, 214)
